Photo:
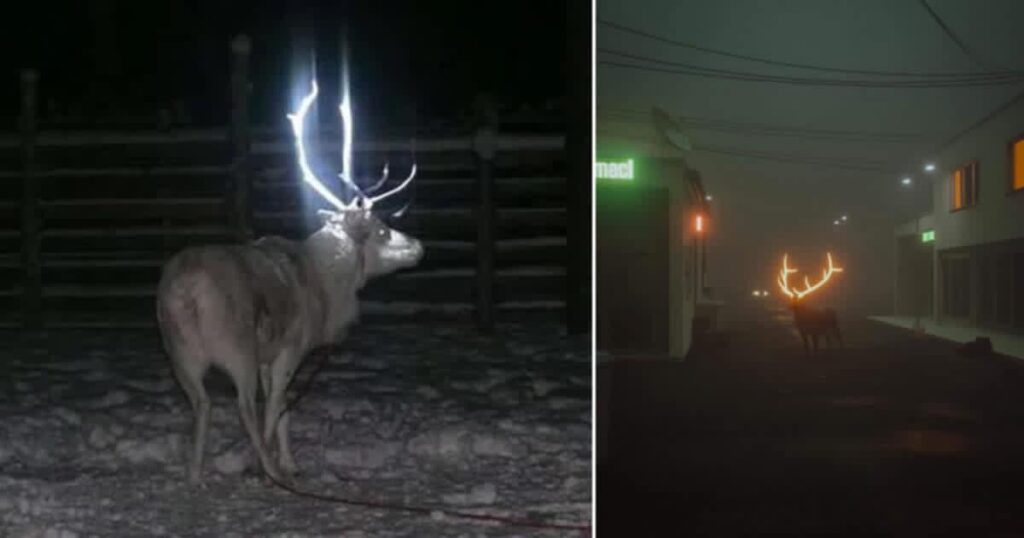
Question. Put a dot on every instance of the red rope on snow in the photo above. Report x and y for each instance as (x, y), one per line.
(515, 522)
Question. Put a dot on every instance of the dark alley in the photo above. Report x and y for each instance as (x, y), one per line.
(894, 435)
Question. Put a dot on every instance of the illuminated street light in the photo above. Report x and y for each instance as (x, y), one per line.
(906, 181)
(930, 167)
(843, 218)
(707, 197)
(835, 222)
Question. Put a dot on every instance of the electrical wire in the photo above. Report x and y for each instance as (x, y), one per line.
(769, 61)
(714, 124)
(949, 33)
(694, 70)
(871, 166)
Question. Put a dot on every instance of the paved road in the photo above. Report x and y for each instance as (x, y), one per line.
(895, 435)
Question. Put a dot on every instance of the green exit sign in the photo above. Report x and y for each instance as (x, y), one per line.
(619, 170)
(928, 236)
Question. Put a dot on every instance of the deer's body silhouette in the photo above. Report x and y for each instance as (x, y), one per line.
(811, 323)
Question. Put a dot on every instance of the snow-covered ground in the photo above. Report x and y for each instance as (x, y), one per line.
(94, 434)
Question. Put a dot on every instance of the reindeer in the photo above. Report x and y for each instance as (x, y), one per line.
(811, 322)
(256, 310)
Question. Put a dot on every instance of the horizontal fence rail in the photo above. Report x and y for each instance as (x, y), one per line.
(87, 219)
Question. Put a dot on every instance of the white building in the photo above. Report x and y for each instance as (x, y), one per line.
(963, 264)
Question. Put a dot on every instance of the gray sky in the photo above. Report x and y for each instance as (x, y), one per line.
(763, 206)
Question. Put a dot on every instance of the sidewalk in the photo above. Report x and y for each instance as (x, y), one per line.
(1004, 343)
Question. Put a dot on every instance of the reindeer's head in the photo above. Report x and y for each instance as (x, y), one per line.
(353, 228)
(794, 294)
(384, 249)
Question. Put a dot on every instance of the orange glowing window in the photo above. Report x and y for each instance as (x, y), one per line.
(964, 186)
(1017, 160)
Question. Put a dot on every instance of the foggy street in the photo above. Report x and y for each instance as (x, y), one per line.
(895, 435)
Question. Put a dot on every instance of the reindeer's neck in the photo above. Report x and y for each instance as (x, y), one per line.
(339, 274)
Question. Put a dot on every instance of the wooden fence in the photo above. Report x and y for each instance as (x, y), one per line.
(87, 218)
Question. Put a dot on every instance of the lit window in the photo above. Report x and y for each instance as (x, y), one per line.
(1017, 158)
(965, 186)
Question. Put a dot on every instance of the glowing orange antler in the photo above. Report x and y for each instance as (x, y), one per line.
(796, 294)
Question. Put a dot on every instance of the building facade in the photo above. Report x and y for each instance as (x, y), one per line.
(963, 264)
(651, 228)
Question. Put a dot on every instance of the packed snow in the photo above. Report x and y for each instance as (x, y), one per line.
(95, 434)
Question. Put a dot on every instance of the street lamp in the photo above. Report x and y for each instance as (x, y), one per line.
(929, 167)
(906, 182)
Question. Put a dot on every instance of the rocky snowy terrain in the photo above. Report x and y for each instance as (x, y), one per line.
(94, 434)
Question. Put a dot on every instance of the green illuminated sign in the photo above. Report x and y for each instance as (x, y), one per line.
(622, 170)
(928, 236)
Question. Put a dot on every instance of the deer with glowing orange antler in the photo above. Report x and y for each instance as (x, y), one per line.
(811, 322)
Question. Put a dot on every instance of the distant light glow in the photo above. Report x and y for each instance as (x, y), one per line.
(835, 222)
(708, 197)
(700, 223)
(843, 218)
(756, 293)
(614, 170)
(930, 167)
(906, 181)
(928, 236)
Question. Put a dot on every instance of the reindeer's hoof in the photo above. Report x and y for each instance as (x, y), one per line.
(283, 479)
(288, 466)
(277, 475)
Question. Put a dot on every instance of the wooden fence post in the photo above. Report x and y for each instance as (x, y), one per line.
(579, 168)
(240, 192)
(30, 217)
(485, 142)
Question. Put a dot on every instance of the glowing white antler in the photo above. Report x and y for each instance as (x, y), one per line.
(297, 120)
(361, 200)
(345, 109)
(374, 199)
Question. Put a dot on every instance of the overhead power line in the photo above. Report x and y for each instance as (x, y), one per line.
(713, 124)
(694, 70)
(769, 61)
(793, 159)
(949, 33)
(787, 158)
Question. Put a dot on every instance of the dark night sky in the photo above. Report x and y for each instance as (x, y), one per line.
(432, 57)
(764, 207)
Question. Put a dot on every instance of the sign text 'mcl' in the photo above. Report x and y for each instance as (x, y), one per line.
(614, 170)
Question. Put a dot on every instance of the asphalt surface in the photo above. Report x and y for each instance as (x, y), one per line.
(894, 435)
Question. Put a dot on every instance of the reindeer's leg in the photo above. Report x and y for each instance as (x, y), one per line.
(244, 372)
(276, 419)
(191, 379)
(265, 381)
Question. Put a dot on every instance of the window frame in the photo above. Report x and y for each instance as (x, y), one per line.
(1010, 189)
(952, 193)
